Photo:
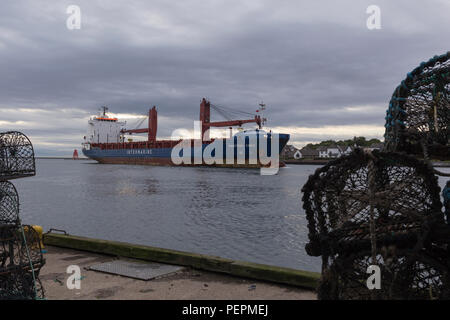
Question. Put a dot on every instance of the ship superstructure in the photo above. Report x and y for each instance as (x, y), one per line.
(104, 129)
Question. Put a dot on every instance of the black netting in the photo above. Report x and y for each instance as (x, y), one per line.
(20, 248)
(16, 156)
(404, 199)
(405, 274)
(9, 203)
(20, 285)
(19, 252)
(418, 117)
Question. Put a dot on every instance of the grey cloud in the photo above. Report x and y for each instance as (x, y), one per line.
(307, 61)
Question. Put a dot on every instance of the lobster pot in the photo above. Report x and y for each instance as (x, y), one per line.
(20, 262)
(20, 249)
(418, 117)
(16, 156)
(20, 285)
(403, 274)
(9, 204)
(28, 248)
(397, 192)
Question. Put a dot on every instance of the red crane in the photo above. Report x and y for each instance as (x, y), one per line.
(205, 117)
(152, 125)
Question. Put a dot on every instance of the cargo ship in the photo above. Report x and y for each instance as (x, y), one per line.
(106, 142)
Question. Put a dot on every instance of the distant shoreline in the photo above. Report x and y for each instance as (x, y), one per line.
(305, 161)
(62, 158)
(437, 164)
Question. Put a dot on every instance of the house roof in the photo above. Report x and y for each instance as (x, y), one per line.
(344, 148)
(333, 146)
(309, 152)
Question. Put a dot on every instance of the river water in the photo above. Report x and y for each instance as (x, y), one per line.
(232, 213)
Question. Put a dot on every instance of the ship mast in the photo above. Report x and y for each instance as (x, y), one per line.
(262, 108)
(105, 110)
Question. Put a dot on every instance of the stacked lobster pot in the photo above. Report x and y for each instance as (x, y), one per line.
(20, 247)
(381, 211)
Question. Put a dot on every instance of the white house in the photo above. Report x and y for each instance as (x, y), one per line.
(323, 152)
(329, 152)
(334, 152)
(345, 150)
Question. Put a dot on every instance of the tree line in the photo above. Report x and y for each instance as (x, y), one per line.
(358, 141)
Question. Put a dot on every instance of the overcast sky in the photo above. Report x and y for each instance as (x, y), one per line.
(322, 73)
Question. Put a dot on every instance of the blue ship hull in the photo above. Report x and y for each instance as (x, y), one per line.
(163, 156)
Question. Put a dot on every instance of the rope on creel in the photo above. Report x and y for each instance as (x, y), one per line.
(30, 261)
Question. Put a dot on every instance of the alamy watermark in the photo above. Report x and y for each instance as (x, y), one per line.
(374, 280)
(74, 280)
(73, 22)
(374, 20)
(248, 148)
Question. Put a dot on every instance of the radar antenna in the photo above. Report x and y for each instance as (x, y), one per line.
(104, 110)
(262, 108)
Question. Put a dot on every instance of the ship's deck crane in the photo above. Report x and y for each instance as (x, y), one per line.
(205, 117)
(152, 125)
